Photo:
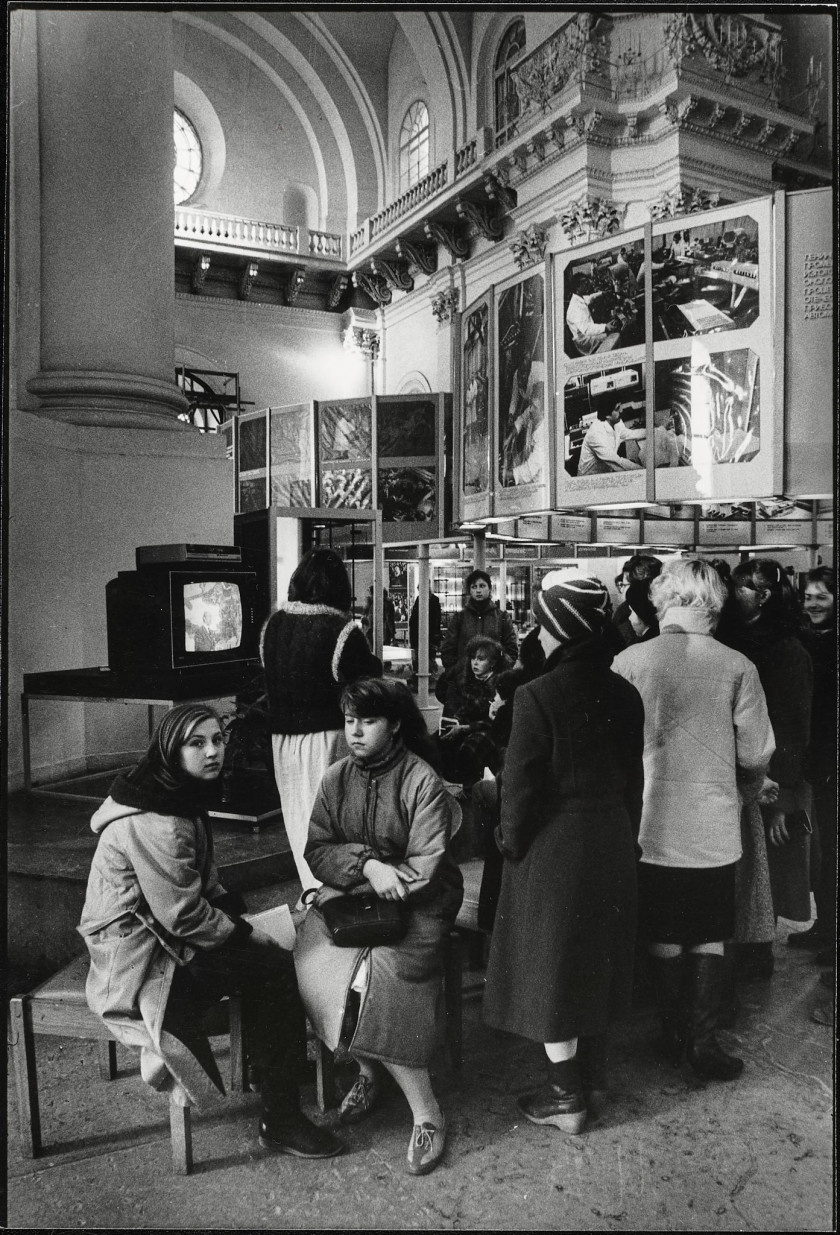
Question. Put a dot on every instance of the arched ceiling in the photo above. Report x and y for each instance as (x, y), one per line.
(331, 68)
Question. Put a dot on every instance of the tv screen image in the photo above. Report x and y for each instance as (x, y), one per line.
(212, 616)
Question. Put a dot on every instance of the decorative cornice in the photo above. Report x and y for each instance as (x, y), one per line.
(528, 246)
(375, 286)
(395, 274)
(423, 257)
(497, 188)
(486, 221)
(445, 304)
(221, 305)
(449, 238)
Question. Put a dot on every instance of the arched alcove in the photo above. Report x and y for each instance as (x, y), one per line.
(300, 205)
(195, 105)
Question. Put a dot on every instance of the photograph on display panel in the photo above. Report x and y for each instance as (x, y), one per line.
(405, 427)
(712, 402)
(475, 468)
(604, 413)
(290, 448)
(603, 308)
(705, 276)
(407, 494)
(521, 384)
(344, 431)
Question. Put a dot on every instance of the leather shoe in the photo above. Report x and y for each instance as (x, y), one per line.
(425, 1149)
(360, 1100)
(295, 1134)
(553, 1105)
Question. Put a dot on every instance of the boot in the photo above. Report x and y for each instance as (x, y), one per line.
(729, 1003)
(705, 1054)
(592, 1058)
(667, 976)
(560, 1102)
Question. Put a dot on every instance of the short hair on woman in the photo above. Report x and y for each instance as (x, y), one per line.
(823, 575)
(483, 643)
(374, 697)
(474, 576)
(688, 583)
(507, 682)
(782, 607)
(320, 578)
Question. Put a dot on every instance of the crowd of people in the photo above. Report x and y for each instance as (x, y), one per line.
(665, 770)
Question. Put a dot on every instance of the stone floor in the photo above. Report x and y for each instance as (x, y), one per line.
(668, 1153)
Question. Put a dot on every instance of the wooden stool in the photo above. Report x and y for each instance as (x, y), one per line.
(58, 1007)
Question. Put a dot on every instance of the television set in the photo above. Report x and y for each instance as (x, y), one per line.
(182, 617)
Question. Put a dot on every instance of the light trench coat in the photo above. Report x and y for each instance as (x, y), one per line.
(147, 910)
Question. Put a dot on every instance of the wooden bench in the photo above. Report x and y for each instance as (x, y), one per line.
(58, 1007)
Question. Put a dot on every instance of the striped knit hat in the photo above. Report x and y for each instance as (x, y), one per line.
(572, 609)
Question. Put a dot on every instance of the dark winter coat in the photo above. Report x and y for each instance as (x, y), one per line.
(821, 645)
(400, 812)
(434, 623)
(310, 652)
(485, 618)
(561, 957)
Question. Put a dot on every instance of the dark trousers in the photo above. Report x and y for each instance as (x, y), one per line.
(263, 974)
(825, 822)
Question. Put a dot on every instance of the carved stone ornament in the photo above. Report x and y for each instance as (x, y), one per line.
(591, 219)
(362, 341)
(199, 271)
(247, 279)
(337, 290)
(294, 285)
(498, 190)
(454, 243)
(395, 274)
(567, 56)
(586, 124)
(374, 285)
(730, 43)
(422, 256)
(528, 247)
(486, 221)
(683, 200)
(445, 304)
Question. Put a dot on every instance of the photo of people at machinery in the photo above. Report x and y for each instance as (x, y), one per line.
(705, 278)
(605, 422)
(603, 301)
(713, 400)
(212, 617)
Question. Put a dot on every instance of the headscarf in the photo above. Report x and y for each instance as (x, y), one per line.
(159, 783)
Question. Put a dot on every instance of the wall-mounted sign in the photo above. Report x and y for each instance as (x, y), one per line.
(569, 529)
(617, 531)
(535, 526)
(713, 534)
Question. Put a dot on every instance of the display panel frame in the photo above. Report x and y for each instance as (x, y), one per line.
(602, 375)
(478, 503)
(412, 470)
(521, 438)
(727, 373)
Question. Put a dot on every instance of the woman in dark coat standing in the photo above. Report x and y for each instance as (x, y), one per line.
(561, 957)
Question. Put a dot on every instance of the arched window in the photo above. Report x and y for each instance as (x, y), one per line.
(187, 159)
(414, 145)
(506, 99)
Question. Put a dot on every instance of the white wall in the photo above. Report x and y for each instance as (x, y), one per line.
(282, 355)
(81, 500)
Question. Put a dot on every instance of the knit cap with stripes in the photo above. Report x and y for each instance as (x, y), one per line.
(572, 609)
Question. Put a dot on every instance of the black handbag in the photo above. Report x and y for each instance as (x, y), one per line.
(363, 921)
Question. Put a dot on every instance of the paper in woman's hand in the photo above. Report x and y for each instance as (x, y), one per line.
(276, 923)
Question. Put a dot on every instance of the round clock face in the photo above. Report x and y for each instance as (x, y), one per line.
(186, 159)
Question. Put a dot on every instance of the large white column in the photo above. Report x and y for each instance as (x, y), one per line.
(105, 87)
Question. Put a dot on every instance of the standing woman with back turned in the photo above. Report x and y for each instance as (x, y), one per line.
(311, 649)
(561, 956)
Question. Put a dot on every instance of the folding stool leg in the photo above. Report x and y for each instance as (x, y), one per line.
(107, 1053)
(26, 1079)
(324, 1076)
(181, 1131)
(238, 1058)
(452, 971)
